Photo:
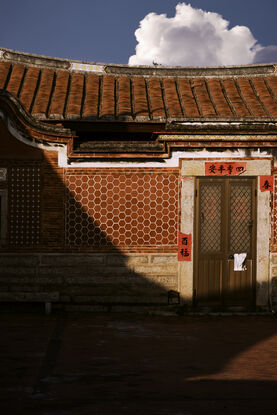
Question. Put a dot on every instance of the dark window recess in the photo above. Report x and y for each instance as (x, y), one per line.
(116, 142)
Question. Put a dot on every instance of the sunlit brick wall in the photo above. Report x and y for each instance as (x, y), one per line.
(121, 208)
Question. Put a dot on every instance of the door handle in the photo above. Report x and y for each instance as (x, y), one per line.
(250, 225)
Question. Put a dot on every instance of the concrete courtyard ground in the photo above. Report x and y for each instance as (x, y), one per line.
(65, 364)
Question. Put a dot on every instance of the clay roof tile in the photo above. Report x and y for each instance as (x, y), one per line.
(51, 88)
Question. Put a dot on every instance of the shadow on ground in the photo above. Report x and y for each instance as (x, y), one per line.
(102, 364)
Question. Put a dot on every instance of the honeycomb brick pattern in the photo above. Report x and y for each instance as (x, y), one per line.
(130, 210)
(24, 206)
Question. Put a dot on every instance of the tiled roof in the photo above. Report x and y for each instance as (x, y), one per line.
(58, 89)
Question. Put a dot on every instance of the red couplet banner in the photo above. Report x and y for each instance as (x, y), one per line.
(266, 183)
(225, 169)
(184, 247)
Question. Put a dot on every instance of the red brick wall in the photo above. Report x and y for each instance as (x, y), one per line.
(53, 198)
(24, 204)
(36, 195)
(75, 209)
(127, 208)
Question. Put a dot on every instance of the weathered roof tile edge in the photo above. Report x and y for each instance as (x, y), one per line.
(42, 61)
(53, 89)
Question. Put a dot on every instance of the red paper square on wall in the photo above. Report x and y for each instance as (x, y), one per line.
(184, 246)
(266, 183)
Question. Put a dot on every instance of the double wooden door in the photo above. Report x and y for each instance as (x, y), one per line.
(225, 226)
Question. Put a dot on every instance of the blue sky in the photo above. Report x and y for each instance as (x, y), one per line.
(104, 31)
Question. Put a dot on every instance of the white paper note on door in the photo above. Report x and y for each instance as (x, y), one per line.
(240, 262)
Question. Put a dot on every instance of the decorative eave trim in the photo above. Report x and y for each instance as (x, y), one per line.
(192, 134)
(222, 125)
(30, 127)
(166, 143)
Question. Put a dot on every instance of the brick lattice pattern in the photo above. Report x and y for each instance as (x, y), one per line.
(24, 205)
(121, 209)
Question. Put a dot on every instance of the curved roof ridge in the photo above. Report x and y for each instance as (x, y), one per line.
(42, 61)
(62, 89)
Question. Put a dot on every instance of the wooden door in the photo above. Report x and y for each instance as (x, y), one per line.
(225, 225)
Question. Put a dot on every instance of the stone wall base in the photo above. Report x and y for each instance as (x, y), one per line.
(98, 281)
(90, 280)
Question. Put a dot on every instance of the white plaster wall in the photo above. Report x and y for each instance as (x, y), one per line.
(187, 220)
(172, 161)
(263, 247)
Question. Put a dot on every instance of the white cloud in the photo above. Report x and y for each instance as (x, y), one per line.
(194, 37)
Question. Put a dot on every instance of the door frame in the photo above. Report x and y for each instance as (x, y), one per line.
(190, 169)
(225, 185)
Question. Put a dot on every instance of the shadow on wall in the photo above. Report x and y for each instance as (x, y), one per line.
(105, 211)
(108, 237)
(79, 265)
(84, 220)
